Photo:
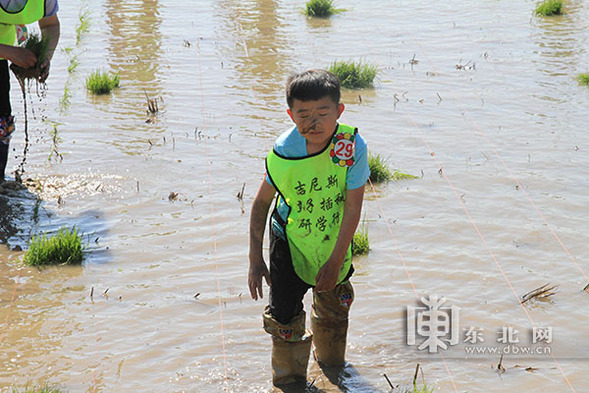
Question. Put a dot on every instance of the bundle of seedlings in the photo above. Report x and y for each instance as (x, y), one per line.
(64, 248)
(39, 46)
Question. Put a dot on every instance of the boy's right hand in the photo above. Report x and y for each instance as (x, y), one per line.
(22, 57)
(256, 272)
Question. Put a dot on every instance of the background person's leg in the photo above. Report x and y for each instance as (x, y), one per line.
(5, 113)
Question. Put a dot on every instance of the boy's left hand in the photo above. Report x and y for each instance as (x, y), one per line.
(327, 277)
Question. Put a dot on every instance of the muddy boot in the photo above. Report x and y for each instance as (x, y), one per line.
(329, 323)
(329, 340)
(3, 159)
(291, 346)
(290, 360)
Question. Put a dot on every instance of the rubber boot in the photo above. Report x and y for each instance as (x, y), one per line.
(329, 323)
(290, 361)
(3, 160)
(329, 339)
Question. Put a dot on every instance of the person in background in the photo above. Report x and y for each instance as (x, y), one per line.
(14, 14)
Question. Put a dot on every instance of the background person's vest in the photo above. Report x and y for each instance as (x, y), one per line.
(33, 11)
(314, 189)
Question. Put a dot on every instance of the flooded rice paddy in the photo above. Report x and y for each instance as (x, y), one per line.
(477, 98)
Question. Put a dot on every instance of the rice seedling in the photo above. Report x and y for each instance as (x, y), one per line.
(73, 64)
(549, 8)
(542, 293)
(39, 46)
(379, 170)
(414, 389)
(84, 24)
(43, 389)
(354, 75)
(65, 100)
(100, 82)
(397, 176)
(360, 242)
(320, 8)
(64, 248)
(55, 141)
(583, 79)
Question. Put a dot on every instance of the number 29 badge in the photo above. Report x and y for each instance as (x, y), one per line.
(342, 149)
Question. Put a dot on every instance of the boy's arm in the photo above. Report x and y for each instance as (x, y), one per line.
(50, 30)
(329, 272)
(259, 214)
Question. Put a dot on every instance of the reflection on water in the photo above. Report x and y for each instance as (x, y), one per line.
(134, 41)
(35, 322)
(135, 47)
(263, 58)
(560, 42)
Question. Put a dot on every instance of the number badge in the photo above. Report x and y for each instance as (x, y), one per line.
(342, 149)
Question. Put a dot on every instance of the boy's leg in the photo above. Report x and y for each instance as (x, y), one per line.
(5, 116)
(284, 318)
(329, 323)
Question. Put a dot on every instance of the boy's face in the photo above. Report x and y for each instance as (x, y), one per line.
(316, 120)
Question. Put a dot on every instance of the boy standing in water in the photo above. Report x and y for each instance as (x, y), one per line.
(13, 14)
(319, 169)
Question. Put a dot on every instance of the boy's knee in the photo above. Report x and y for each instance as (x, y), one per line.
(292, 331)
(333, 305)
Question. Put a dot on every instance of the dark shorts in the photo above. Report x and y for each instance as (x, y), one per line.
(287, 290)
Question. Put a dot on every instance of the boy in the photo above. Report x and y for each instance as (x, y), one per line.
(319, 169)
(14, 13)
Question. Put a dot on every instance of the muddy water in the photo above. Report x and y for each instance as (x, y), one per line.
(505, 214)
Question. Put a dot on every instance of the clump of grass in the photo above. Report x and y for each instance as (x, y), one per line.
(100, 82)
(379, 170)
(320, 8)
(549, 8)
(402, 176)
(39, 46)
(41, 389)
(64, 248)
(583, 79)
(354, 75)
(360, 243)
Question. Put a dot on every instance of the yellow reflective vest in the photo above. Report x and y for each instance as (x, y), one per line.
(314, 189)
(33, 11)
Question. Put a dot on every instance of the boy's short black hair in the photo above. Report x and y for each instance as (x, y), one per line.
(312, 85)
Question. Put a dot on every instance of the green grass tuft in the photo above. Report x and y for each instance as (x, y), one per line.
(354, 75)
(360, 243)
(320, 8)
(64, 248)
(43, 389)
(100, 82)
(583, 79)
(423, 389)
(379, 170)
(402, 176)
(549, 7)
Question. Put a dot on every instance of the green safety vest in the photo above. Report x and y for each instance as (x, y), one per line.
(33, 11)
(314, 189)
